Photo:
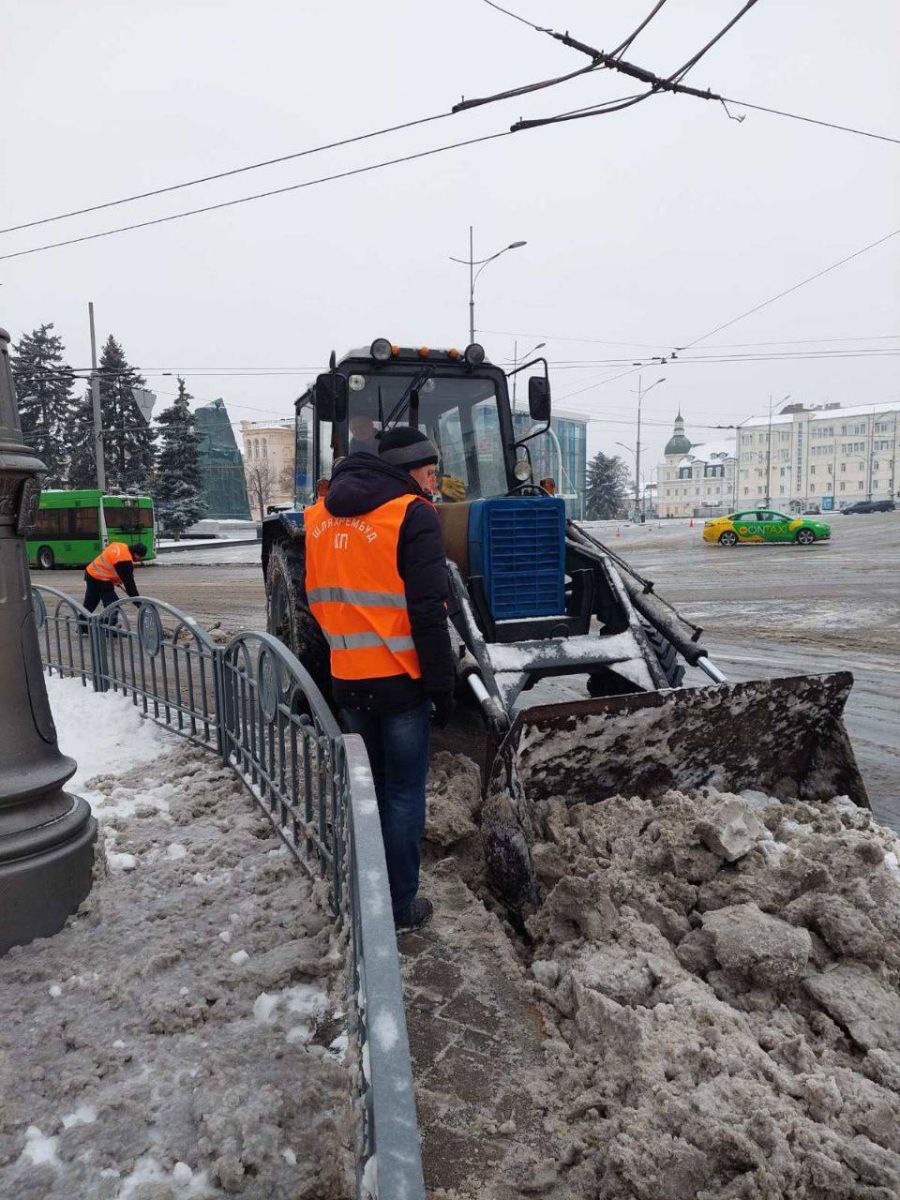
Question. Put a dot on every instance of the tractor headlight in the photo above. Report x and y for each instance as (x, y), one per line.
(474, 355)
(522, 470)
(381, 350)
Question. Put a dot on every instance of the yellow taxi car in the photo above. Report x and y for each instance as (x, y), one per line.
(763, 525)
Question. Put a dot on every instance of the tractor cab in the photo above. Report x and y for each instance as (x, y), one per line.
(459, 399)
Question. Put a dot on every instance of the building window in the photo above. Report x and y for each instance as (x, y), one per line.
(860, 485)
(843, 468)
(843, 486)
(265, 443)
(812, 470)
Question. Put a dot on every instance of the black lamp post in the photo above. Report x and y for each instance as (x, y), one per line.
(46, 835)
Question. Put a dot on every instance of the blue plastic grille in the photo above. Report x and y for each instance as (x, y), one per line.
(524, 546)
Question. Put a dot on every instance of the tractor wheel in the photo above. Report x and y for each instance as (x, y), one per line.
(666, 654)
(805, 537)
(46, 559)
(728, 538)
(287, 613)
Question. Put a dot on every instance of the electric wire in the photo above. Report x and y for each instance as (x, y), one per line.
(623, 46)
(788, 291)
(694, 59)
(780, 112)
(269, 162)
(293, 187)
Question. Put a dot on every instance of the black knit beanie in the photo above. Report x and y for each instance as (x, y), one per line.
(406, 448)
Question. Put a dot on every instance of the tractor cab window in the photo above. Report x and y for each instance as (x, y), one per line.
(458, 413)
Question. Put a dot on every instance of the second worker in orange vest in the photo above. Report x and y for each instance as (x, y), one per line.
(376, 581)
(112, 568)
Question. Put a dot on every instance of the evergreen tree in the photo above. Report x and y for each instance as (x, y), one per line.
(82, 459)
(177, 490)
(44, 391)
(128, 449)
(607, 483)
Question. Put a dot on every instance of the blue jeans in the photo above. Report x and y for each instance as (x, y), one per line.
(397, 745)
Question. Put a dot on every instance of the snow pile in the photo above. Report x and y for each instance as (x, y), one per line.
(721, 979)
(133, 1061)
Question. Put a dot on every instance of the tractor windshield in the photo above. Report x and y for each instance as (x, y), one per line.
(459, 413)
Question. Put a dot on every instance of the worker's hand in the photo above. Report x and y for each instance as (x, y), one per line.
(452, 488)
(444, 708)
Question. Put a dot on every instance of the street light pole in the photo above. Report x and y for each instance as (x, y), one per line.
(636, 451)
(769, 450)
(472, 262)
(46, 835)
(638, 508)
(471, 285)
(515, 377)
(97, 410)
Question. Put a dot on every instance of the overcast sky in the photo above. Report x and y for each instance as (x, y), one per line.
(646, 228)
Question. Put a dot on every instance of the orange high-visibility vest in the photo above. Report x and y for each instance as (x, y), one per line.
(356, 593)
(104, 565)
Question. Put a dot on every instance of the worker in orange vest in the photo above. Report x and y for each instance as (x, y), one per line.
(112, 568)
(376, 582)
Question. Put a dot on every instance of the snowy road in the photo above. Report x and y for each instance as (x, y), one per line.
(766, 610)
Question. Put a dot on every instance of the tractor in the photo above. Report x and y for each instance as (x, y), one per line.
(536, 596)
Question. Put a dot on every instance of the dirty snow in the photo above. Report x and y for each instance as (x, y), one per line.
(131, 1063)
(707, 1028)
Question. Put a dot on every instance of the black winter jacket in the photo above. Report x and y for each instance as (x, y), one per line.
(359, 484)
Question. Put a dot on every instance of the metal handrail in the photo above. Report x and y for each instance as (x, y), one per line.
(262, 712)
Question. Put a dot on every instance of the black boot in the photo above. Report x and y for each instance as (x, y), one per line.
(418, 913)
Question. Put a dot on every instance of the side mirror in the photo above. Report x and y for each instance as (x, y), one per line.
(539, 398)
(331, 396)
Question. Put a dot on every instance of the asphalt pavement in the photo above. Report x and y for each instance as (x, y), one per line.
(766, 610)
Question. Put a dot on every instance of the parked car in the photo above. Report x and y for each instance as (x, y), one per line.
(869, 506)
(764, 525)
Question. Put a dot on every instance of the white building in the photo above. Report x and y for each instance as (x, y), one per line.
(829, 456)
(695, 479)
(269, 462)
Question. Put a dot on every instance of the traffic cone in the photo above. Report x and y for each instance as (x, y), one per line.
(691, 526)
(617, 531)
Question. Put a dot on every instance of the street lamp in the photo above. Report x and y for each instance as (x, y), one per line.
(737, 460)
(637, 464)
(515, 377)
(635, 451)
(481, 263)
(46, 835)
(769, 449)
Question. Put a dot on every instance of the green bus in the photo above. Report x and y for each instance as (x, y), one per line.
(68, 532)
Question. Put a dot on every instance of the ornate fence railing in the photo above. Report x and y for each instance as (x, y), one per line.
(255, 704)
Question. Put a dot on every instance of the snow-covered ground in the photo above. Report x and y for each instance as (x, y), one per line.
(218, 552)
(184, 1034)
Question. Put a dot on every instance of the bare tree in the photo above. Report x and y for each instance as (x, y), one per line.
(264, 482)
(261, 483)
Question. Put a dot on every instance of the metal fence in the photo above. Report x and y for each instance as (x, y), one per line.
(254, 703)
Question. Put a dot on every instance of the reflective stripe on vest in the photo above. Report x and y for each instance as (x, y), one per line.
(104, 565)
(356, 592)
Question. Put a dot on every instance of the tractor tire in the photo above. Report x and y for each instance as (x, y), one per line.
(666, 654)
(288, 616)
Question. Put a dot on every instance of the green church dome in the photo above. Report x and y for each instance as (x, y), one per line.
(678, 443)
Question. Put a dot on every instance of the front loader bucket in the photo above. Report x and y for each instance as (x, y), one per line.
(784, 737)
